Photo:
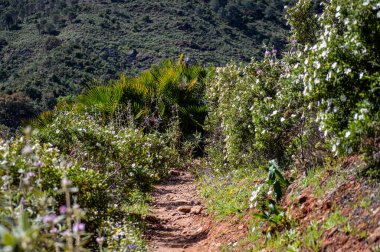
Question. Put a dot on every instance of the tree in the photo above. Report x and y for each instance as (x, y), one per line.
(303, 21)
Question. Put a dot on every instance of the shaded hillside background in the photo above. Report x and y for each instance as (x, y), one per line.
(52, 48)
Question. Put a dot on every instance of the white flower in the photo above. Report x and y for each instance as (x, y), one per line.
(338, 8)
(347, 70)
(328, 77)
(255, 193)
(361, 75)
(334, 65)
(274, 113)
(366, 2)
(349, 151)
(343, 98)
(282, 119)
(348, 133)
(316, 64)
(27, 150)
(333, 149)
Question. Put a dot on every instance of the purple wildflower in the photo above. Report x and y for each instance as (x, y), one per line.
(259, 71)
(267, 53)
(100, 240)
(65, 182)
(31, 174)
(49, 218)
(130, 247)
(274, 51)
(62, 209)
(66, 233)
(54, 230)
(38, 164)
(78, 227)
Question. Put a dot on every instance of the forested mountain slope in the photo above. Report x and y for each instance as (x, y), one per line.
(52, 48)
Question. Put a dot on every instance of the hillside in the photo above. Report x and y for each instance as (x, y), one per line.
(56, 48)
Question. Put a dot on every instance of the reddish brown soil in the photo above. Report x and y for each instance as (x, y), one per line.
(178, 220)
(347, 197)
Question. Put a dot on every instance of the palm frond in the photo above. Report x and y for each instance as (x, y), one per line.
(104, 99)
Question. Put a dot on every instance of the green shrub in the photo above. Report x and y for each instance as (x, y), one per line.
(267, 197)
(257, 112)
(341, 75)
(32, 218)
(304, 22)
(130, 156)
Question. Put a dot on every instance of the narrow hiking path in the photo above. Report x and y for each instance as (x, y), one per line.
(177, 221)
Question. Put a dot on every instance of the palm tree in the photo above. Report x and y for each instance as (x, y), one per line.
(166, 86)
(154, 97)
(101, 99)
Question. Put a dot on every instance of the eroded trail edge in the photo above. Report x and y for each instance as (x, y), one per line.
(177, 219)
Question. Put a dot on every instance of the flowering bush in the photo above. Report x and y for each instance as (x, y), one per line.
(31, 218)
(321, 98)
(341, 74)
(103, 166)
(258, 109)
(131, 157)
(326, 91)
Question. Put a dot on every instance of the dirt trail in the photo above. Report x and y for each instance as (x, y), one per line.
(177, 221)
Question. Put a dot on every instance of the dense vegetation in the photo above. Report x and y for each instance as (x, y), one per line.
(299, 115)
(83, 177)
(91, 162)
(55, 48)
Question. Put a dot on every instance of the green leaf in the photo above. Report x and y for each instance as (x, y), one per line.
(261, 216)
(9, 239)
(24, 219)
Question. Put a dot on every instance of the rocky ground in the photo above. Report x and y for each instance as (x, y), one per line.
(178, 220)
